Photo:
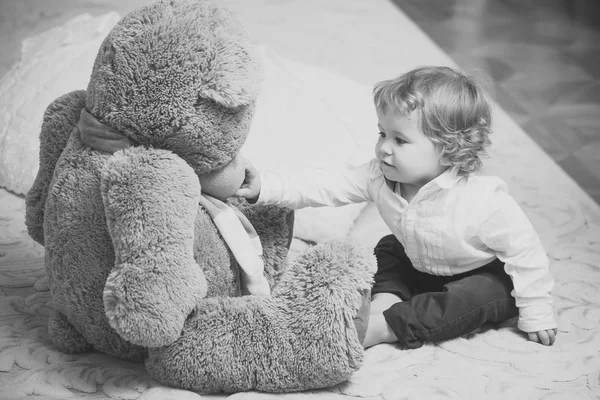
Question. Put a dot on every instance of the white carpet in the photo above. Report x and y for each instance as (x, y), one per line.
(354, 43)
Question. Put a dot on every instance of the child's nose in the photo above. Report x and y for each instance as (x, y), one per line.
(386, 148)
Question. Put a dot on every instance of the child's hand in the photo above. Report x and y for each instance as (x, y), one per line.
(250, 188)
(546, 337)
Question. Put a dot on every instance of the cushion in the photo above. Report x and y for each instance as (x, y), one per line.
(52, 63)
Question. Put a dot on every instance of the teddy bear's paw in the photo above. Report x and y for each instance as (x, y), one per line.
(64, 335)
(149, 308)
(340, 268)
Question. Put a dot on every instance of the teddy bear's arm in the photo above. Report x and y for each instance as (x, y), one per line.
(151, 200)
(59, 119)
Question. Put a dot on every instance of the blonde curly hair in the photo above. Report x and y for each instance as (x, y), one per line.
(454, 112)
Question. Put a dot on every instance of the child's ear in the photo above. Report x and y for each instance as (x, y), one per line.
(441, 152)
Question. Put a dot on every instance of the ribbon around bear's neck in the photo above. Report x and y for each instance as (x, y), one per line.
(234, 227)
(243, 241)
(100, 136)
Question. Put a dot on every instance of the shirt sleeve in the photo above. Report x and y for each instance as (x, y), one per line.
(316, 188)
(508, 232)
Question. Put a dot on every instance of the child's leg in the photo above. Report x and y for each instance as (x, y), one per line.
(394, 282)
(395, 273)
(464, 303)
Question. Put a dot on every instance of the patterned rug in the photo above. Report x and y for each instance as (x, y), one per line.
(359, 43)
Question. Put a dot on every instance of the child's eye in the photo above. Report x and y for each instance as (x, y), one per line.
(400, 141)
(381, 134)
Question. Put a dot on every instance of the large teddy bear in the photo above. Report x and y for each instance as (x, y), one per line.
(146, 257)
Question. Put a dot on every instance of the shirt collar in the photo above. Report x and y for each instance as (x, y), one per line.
(447, 179)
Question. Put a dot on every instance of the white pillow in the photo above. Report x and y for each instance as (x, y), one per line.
(52, 63)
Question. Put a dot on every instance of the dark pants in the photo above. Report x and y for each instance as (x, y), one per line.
(435, 308)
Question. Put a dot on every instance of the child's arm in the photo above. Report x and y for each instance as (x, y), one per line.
(310, 188)
(508, 232)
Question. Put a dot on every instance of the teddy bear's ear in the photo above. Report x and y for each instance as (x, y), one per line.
(235, 74)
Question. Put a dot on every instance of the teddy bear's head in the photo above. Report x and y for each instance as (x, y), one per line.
(180, 75)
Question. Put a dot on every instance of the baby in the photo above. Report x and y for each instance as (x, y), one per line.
(461, 252)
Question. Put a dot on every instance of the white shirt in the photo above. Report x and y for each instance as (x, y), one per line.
(452, 225)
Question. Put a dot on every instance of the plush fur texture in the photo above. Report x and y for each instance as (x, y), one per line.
(163, 192)
(132, 259)
(128, 250)
(59, 120)
(303, 337)
(183, 63)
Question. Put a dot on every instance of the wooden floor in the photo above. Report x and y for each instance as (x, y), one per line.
(543, 59)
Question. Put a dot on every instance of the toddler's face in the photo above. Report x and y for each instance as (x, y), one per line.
(405, 153)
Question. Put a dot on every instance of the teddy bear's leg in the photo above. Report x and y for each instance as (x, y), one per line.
(303, 337)
(64, 335)
(275, 227)
(59, 119)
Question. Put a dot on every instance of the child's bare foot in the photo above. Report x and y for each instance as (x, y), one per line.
(382, 301)
(378, 331)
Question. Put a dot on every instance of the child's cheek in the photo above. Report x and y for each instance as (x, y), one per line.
(223, 183)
